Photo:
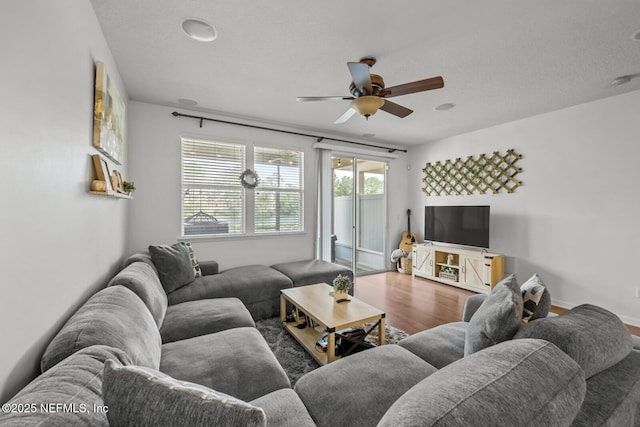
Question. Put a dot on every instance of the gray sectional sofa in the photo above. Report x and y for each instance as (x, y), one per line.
(135, 355)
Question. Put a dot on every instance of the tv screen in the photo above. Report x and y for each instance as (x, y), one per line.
(460, 225)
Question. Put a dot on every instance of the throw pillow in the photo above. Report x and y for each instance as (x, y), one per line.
(197, 271)
(173, 264)
(497, 319)
(139, 396)
(534, 304)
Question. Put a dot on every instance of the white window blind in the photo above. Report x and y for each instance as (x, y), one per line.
(212, 197)
(279, 198)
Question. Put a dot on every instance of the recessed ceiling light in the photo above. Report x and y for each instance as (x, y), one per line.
(186, 101)
(620, 80)
(445, 107)
(199, 29)
(368, 135)
(636, 36)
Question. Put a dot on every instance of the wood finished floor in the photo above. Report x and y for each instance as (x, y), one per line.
(414, 304)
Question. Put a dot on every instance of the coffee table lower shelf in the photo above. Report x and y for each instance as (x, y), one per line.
(308, 337)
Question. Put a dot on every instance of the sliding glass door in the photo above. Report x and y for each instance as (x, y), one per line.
(359, 214)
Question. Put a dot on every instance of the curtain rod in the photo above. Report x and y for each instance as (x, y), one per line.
(318, 138)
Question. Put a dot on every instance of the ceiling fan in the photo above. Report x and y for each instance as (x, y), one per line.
(370, 94)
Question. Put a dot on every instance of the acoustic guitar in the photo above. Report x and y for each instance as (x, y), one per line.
(408, 238)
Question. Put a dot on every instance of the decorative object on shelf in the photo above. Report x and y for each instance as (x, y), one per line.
(341, 285)
(129, 186)
(114, 183)
(108, 117)
(484, 174)
(117, 182)
(99, 186)
(249, 179)
(449, 273)
(101, 169)
(104, 183)
(450, 259)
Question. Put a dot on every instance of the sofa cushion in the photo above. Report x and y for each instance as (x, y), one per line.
(310, 272)
(536, 299)
(236, 362)
(284, 409)
(497, 319)
(593, 336)
(142, 279)
(116, 317)
(75, 382)
(257, 286)
(357, 390)
(194, 318)
(209, 267)
(173, 264)
(509, 384)
(438, 346)
(139, 396)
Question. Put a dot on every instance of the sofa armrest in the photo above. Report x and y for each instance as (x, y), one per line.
(471, 306)
(208, 268)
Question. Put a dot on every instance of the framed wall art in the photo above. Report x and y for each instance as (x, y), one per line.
(108, 117)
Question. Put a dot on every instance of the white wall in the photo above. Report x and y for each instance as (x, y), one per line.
(58, 242)
(575, 221)
(155, 216)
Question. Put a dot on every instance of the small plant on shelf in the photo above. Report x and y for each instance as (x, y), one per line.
(129, 187)
(449, 273)
(449, 270)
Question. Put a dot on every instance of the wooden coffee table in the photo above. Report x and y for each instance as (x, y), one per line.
(316, 301)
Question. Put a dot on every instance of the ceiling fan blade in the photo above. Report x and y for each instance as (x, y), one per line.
(413, 87)
(323, 98)
(346, 116)
(361, 77)
(395, 109)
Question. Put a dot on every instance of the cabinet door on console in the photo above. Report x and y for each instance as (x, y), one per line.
(423, 261)
(474, 272)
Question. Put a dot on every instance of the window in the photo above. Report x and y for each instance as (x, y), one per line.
(279, 196)
(214, 202)
(212, 197)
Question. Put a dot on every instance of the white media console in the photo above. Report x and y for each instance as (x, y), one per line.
(470, 269)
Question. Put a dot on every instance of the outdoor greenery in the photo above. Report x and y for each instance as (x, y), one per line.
(343, 185)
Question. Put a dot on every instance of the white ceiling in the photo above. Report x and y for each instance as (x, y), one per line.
(501, 60)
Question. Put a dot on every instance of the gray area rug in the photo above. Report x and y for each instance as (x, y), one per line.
(294, 359)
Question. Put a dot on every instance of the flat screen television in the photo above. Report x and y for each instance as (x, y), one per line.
(460, 225)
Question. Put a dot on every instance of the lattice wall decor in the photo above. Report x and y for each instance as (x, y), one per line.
(483, 175)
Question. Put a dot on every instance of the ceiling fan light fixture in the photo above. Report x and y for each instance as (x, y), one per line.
(367, 105)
